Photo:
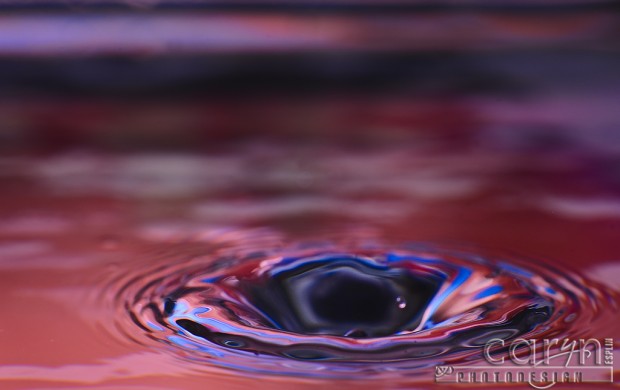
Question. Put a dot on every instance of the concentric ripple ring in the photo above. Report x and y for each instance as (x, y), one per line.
(336, 310)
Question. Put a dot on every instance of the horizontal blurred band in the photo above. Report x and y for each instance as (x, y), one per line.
(310, 5)
(157, 33)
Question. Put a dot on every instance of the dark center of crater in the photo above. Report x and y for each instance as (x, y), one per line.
(343, 297)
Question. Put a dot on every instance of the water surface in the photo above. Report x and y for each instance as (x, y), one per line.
(182, 271)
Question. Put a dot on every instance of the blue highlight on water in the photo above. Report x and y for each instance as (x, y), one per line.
(493, 290)
(211, 327)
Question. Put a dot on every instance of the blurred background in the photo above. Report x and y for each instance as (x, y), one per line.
(419, 118)
(196, 76)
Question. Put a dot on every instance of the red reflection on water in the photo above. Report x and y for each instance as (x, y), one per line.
(70, 220)
(488, 129)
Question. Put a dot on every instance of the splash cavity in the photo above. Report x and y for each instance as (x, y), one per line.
(330, 310)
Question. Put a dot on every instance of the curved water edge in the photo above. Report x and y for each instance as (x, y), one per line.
(330, 309)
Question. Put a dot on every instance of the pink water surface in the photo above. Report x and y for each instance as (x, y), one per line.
(70, 222)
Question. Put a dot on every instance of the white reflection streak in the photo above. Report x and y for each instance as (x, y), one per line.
(300, 205)
(607, 273)
(127, 366)
(586, 208)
